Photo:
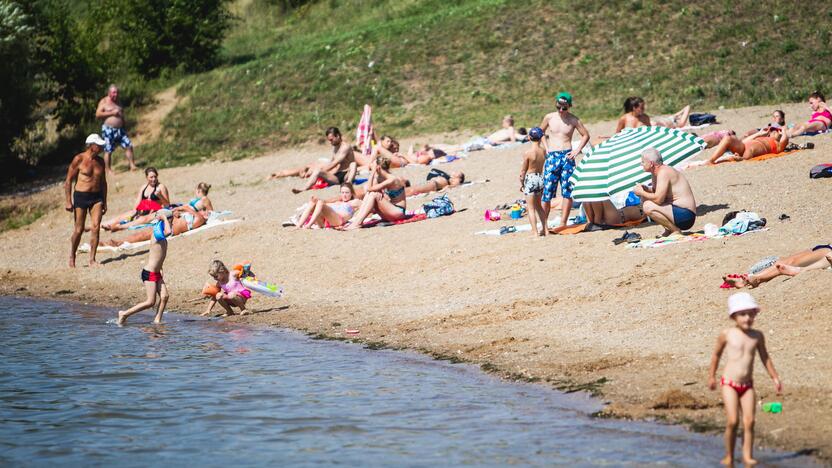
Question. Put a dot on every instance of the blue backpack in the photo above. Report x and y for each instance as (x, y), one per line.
(439, 206)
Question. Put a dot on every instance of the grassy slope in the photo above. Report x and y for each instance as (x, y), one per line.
(447, 65)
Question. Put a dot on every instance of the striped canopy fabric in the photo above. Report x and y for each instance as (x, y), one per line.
(614, 166)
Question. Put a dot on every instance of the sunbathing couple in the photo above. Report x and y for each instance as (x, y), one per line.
(770, 139)
(817, 258)
(635, 116)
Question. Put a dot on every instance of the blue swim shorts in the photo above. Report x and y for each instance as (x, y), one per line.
(558, 168)
(113, 136)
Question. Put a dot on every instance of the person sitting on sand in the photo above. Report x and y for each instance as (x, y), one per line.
(635, 116)
(182, 222)
(330, 214)
(778, 119)
(604, 213)
(385, 195)
(152, 197)
(340, 169)
(768, 140)
(669, 199)
(821, 118)
(817, 258)
(151, 275)
(201, 202)
(232, 292)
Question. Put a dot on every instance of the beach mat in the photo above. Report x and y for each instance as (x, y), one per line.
(682, 239)
(131, 246)
(412, 218)
(579, 228)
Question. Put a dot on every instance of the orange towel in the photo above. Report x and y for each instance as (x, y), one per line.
(578, 228)
(761, 157)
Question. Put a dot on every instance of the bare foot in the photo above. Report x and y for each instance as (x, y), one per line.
(296, 191)
(72, 261)
(788, 270)
(157, 320)
(666, 233)
(727, 461)
(244, 312)
(106, 227)
(121, 318)
(737, 282)
(748, 461)
(94, 264)
(350, 227)
(697, 163)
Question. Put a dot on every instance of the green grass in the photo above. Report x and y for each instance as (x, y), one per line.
(441, 66)
(14, 217)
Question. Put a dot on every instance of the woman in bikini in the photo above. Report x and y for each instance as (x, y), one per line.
(151, 198)
(604, 213)
(816, 258)
(385, 195)
(821, 118)
(768, 140)
(182, 222)
(332, 214)
(201, 202)
(635, 116)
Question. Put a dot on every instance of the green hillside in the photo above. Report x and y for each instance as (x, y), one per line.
(434, 66)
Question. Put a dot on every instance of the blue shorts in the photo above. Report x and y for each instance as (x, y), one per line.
(558, 168)
(113, 136)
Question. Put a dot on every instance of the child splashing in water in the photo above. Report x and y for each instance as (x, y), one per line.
(232, 292)
(152, 272)
(740, 343)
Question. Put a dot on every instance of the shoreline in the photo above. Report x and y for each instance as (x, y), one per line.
(569, 311)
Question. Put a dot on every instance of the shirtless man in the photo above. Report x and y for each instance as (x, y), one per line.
(669, 201)
(635, 116)
(86, 173)
(341, 169)
(767, 140)
(560, 156)
(112, 129)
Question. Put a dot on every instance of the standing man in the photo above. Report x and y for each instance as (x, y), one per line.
(560, 157)
(669, 201)
(87, 174)
(341, 169)
(113, 126)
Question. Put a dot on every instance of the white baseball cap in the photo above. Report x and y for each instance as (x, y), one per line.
(741, 301)
(95, 139)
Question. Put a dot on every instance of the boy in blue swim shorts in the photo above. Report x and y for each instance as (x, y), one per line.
(560, 156)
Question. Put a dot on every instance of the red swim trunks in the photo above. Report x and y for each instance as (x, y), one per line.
(152, 276)
(738, 387)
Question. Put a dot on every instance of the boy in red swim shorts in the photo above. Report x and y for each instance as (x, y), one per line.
(151, 274)
(740, 344)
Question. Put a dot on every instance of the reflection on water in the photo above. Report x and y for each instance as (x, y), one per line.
(75, 389)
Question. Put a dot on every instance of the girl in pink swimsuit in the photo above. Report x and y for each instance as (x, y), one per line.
(821, 117)
(232, 292)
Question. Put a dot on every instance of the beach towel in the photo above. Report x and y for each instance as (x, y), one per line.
(579, 228)
(762, 157)
(130, 246)
(683, 238)
(553, 223)
(409, 218)
(364, 131)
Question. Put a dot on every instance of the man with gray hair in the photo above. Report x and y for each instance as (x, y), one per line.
(669, 199)
(113, 127)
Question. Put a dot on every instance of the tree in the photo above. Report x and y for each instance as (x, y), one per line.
(18, 94)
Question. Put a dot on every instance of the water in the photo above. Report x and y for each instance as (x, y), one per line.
(76, 390)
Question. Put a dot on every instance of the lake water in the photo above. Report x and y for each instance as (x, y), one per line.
(77, 390)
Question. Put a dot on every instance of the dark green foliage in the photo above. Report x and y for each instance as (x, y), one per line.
(17, 71)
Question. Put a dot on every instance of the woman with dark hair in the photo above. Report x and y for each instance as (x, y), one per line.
(385, 195)
(635, 116)
(152, 197)
(821, 118)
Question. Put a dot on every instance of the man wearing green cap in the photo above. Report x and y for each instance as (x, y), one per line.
(560, 157)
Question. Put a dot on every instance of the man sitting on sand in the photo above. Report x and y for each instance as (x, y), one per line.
(669, 199)
(635, 116)
(340, 169)
(769, 140)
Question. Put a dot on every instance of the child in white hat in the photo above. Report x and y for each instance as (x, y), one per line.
(740, 343)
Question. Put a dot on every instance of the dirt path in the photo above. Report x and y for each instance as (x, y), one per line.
(149, 127)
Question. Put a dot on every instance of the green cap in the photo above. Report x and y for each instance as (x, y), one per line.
(563, 95)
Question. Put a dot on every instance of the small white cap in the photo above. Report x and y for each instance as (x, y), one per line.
(741, 301)
(95, 139)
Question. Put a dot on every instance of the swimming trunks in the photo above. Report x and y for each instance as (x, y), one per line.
(822, 246)
(113, 135)
(533, 183)
(738, 387)
(683, 218)
(341, 176)
(86, 200)
(557, 169)
(152, 276)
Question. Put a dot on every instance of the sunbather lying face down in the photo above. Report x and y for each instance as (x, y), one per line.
(333, 214)
(182, 222)
(436, 184)
(605, 213)
(816, 258)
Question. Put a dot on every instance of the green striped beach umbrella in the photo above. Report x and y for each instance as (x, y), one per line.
(615, 165)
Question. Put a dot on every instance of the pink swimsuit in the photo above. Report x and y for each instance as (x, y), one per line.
(235, 286)
(825, 114)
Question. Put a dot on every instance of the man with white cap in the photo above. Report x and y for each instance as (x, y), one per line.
(86, 174)
(740, 344)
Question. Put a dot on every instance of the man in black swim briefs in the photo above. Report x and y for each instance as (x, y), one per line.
(86, 174)
(669, 200)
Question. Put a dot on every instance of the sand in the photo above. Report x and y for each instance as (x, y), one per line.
(574, 312)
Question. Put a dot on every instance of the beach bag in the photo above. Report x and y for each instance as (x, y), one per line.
(439, 206)
(821, 171)
(438, 173)
(701, 119)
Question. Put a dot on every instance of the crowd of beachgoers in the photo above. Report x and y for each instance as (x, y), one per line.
(372, 191)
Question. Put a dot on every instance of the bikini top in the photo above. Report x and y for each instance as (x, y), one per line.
(395, 193)
(194, 202)
(824, 113)
(152, 196)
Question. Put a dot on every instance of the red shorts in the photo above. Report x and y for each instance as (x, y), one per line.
(152, 276)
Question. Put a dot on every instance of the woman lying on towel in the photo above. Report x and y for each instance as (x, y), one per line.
(604, 213)
(200, 203)
(437, 180)
(768, 140)
(183, 221)
(385, 195)
(821, 118)
(332, 214)
(151, 198)
(816, 258)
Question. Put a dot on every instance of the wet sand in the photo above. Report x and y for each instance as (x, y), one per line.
(637, 326)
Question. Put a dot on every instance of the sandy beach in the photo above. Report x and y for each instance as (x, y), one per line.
(575, 312)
